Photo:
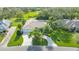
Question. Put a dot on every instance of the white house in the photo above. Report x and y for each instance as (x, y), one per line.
(4, 25)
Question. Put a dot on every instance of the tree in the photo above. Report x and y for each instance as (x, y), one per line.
(35, 34)
(19, 27)
(37, 37)
(43, 15)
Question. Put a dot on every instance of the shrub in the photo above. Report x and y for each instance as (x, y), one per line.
(39, 41)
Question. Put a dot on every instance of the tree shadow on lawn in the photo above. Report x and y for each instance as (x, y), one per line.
(18, 35)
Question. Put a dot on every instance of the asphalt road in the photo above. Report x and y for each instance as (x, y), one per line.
(38, 48)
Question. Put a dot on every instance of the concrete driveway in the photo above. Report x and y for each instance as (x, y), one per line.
(27, 41)
(50, 41)
(30, 24)
(7, 37)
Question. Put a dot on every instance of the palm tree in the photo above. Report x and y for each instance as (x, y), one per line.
(35, 34)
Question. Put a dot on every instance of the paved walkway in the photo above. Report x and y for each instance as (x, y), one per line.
(50, 41)
(7, 37)
(27, 41)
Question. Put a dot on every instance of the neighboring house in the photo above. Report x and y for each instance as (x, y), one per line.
(4, 25)
(70, 24)
(31, 24)
(66, 23)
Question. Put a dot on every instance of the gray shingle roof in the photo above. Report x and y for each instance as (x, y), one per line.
(4, 24)
(35, 23)
(70, 23)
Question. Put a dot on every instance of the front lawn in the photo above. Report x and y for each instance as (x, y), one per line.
(16, 39)
(65, 38)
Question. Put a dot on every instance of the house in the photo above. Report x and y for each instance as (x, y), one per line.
(4, 25)
(31, 24)
(70, 24)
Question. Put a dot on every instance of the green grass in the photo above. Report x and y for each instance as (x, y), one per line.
(66, 39)
(16, 40)
(26, 16)
(1, 37)
(42, 42)
(14, 23)
(30, 15)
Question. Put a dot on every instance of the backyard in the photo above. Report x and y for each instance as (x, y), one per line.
(21, 20)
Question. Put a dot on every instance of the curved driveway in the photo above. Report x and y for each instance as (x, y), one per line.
(50, 41)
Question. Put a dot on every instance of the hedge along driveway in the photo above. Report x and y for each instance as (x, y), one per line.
(16, 40)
